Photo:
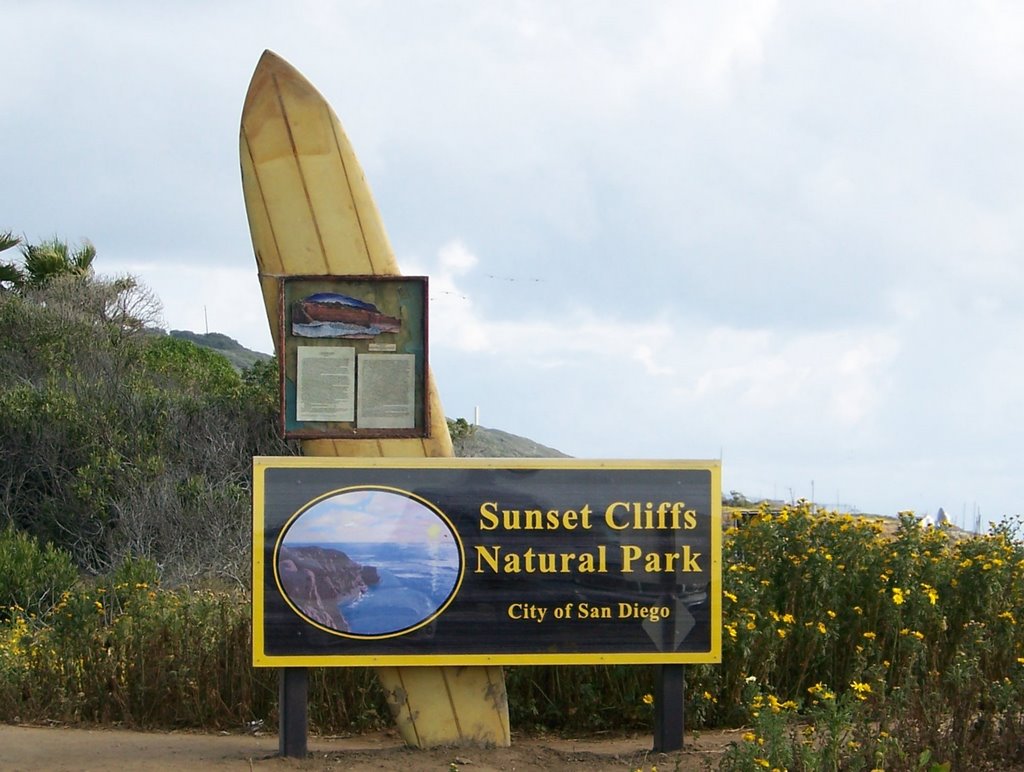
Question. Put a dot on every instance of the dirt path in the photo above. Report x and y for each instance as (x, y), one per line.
(105, 750)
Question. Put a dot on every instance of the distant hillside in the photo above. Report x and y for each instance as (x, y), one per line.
(235, 352)
(481, 442)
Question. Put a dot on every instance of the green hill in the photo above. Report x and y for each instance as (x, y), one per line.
(237, 354)
(481, 442)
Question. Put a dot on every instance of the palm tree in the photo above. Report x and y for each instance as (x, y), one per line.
(50, 259)
(10, 275)
(43, 262)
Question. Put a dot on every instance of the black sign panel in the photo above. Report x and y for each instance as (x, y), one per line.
(477, 561)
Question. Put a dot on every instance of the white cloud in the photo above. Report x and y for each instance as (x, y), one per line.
(837, 376)
(790, 229)
(455, 259)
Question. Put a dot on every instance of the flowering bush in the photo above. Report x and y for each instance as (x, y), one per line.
(847, 643)
(892, 642)
(123, 649)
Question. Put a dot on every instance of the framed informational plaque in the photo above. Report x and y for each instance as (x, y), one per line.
(353, 356)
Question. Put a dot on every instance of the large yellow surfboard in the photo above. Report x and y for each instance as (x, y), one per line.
(311, 213)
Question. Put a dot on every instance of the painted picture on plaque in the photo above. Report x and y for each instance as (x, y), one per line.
(369, 562)
(333, 315)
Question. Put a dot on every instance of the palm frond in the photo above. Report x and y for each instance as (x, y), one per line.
(82, 257)
(8, 240)
(12, 275)
(52, 258)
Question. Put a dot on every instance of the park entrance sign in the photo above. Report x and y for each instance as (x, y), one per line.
(485, 561)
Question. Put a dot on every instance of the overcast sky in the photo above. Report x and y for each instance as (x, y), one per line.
(784, 233)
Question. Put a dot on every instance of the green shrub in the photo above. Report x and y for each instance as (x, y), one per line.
(114, 444)
(32, 578)
(124, 650)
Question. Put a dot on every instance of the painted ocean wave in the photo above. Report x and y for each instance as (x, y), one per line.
(393, 604)
(415, 581)
(334, 330)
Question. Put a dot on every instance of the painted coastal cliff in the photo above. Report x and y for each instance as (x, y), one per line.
(319, 579)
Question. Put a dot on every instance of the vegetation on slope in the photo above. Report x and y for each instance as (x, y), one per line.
(125, 483)
(115, 442)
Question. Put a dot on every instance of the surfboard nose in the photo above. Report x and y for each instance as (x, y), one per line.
(273, 77)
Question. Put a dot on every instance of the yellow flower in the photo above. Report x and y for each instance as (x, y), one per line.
(821, 628)
(749, 737)
(869, 635)
(831, 614)
(897, 596)
(781, 632)
(648, 699)
(788, 619)
(729, 596)
(762, 763)
(820, 690)
(861, 689)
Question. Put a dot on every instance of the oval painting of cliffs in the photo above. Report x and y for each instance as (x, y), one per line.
(369, 562)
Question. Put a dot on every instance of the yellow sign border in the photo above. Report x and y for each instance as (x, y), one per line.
(261, 659)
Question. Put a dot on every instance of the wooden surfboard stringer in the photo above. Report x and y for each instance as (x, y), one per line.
(311, 212)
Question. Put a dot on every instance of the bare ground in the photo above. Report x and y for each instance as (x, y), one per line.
(105, 750)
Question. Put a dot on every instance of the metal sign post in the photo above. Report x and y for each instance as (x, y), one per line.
(292, 706)
(669, 708)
